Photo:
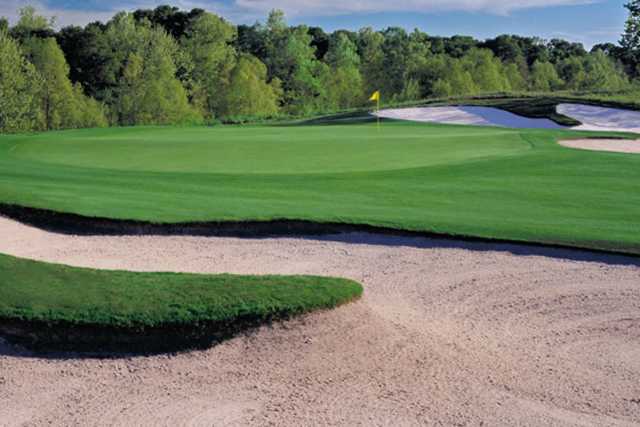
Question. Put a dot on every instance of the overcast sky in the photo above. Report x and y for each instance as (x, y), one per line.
(586, 21)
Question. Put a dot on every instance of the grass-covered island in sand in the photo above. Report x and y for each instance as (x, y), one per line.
(55, 307)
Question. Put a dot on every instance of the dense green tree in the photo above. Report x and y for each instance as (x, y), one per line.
(513, 74)
(150, 92)
(602, 73)
(208, 42)
(343, 85)
(458, 46)
(630, 41)
(460, 79)
(404, 57)
(31, 24)
(506, 47)
(544, 77)
(252, 40)
(595, 71)
(249, 94)
(19, 89)
(486, 70)
(172, 19)
(319, 41)
(560, 50)
(141, 70)
(609, 49)
(63, 106)
(371, 60)
(291, 58)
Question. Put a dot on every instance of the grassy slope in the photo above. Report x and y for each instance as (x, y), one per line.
(36, 291)
(492, 183)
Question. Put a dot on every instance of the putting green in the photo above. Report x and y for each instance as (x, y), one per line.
(271, 150)
(484, 182)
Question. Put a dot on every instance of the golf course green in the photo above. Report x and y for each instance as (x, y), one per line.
(492, 183)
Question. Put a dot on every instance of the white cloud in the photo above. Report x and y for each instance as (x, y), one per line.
(64, 16)
(10, 8)
(243, 10)
(337, 7)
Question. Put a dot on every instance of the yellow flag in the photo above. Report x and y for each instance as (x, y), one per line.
(375, 96)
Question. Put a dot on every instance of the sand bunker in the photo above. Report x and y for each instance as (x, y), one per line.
(592, 118)
(478, 116)
(448, 333)
(603, 144)
(602, 119)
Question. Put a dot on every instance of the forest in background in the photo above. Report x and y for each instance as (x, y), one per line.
(167, 66)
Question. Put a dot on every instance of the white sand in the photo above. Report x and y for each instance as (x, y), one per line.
(592, 118)
(604, 144)
(602, 119)
(447, 333)
(478, 116)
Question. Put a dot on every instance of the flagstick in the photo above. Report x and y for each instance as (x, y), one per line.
(378, 113)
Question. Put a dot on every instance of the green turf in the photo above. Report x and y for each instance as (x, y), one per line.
(36, 291)
(483, 182)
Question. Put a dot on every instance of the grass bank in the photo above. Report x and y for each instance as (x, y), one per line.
(50, 306)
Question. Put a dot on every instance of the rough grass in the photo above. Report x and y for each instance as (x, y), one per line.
(457, 180)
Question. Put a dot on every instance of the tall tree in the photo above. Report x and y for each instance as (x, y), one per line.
(63, 106)
(344, 83)
(19, 89)
(208, 40)
(486, 70)
(291, 58)
(249, 94)
(31, 24)
(630, 41)
(371, 60)
(544, 77)
(141, 71)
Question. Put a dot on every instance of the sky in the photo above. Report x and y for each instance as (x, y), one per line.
(585, 21)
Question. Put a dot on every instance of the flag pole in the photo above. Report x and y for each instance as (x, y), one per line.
(378, 112)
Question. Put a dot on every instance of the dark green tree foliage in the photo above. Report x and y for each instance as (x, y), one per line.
(630, 41)
(252, 40)
(319, 41)
(84, 52)
(172, 19)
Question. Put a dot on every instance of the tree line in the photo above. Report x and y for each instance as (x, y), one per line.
(167, 66)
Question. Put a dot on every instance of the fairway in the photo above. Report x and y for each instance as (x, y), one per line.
(457, 180)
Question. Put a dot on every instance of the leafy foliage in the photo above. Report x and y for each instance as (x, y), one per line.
(167, 66)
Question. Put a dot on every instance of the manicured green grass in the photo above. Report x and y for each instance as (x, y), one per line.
(483, 182)
(41, 292)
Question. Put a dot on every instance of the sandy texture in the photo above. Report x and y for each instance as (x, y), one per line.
(603, 144)
(467, 115)
(448, 333)
(601, 118)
